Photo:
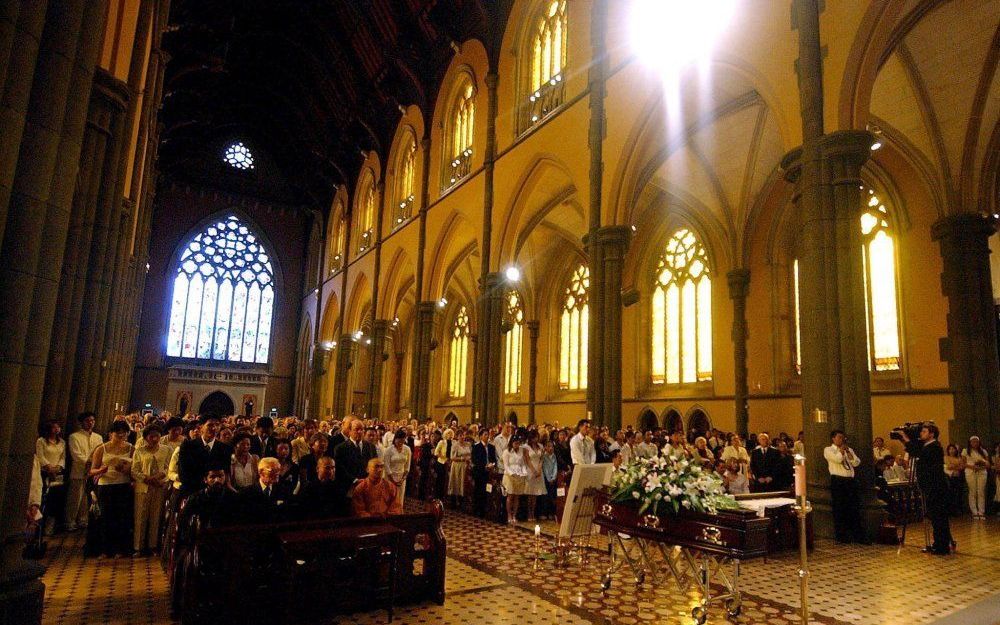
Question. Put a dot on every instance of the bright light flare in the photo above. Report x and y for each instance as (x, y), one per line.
(672, 34)
(513, 274)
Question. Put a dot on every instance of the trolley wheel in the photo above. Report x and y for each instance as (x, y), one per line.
(700, 615)
(734, 607)
(606, 582)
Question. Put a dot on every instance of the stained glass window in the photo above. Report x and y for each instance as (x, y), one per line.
(223, 297)
(878, 254)
(573, 331)
(366, 213)
(682, 313)
(463, 120)
(337, 240)
(459, 354)
(548, 46)
(405, 179)
(238, 155)
(798, 327)
(513, 344)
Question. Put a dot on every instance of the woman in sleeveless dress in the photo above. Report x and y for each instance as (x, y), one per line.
(112, 467)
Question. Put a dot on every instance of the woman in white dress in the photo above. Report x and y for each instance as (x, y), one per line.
(397, 458)
(977, 466)
(536, 483)
(461, 454)
(515, 475)
(243, 472)
(50, 449)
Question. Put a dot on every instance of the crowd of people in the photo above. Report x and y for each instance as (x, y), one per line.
(240, 469)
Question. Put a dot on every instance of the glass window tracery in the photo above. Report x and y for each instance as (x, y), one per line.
(682, 313)
(458, 354)
(238, 156)
(223, 296)
(513, 343)
(366, 214)
(573, 331)
(405, 179)
(463, 120)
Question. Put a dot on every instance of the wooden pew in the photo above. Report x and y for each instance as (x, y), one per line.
(243, 574)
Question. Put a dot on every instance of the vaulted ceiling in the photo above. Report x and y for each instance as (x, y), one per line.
(306, 84)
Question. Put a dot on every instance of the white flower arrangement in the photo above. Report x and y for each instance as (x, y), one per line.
(670, 482)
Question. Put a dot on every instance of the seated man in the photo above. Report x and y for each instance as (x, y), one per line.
(375, 495)
(265, 501)
(321, 498)
(892, 471)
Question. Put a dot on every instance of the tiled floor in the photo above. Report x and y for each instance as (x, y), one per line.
(491, 580)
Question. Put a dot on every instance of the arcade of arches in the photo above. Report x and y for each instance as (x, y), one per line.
(509, 214)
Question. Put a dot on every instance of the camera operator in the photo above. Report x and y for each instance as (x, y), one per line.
(933, 483)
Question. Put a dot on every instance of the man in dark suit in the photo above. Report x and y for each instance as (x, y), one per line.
(350, 457)
(197, 454)
(321, 499)
(484, 456)
(933, 484)
(268, 500)
(262, 444)
(213, 505)
(764, 464)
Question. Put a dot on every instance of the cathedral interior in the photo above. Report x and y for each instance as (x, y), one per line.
(742, 215)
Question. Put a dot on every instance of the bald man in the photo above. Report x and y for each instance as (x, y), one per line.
(375, 495)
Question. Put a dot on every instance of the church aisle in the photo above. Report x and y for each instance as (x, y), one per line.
(488, 585)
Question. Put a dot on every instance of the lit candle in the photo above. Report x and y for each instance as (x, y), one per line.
(538, 530)
(800, 479)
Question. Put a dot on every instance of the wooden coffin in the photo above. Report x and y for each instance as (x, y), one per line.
(739, 534)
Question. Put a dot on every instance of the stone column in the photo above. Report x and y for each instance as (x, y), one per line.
(397, 390)
(606, 249)
(488, 376)
(739, 282)
(835, 376)
(344, 355)
(379, 347)
(532, 367)
(420, 374)
(970, 348)
(36, 226)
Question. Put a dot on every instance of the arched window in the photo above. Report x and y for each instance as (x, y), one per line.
(223, 297)
(682, 313)
(878, 254)
(461, 127)
(547, 54)
(338, 234)
(405, 189)
(366, 213)
(573, 332)
(513, 343)
(458, 354)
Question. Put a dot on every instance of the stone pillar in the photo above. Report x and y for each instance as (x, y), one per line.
(488, 378)
(344, 355)
(970, 348)
(606, 248)
(532, 367)
(835, 376)
(397, 389)
(379, 347)
(36, 226)
(739, 282)
(420, 374)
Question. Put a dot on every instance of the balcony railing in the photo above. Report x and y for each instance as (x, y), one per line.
(404, 210)
(460, 166)
(541, 102)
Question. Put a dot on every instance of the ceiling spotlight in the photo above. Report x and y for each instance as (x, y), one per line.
(877, 134)
(358, 335)
(513, 274)
(672, 35)
(328, 344)
(442, 303)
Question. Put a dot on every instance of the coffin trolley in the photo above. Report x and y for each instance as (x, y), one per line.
(695, 549)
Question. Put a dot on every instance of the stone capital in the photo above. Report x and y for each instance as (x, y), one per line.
(975, 228)
(533, 327)
(739, 283)
(848, 149)
(610, 238)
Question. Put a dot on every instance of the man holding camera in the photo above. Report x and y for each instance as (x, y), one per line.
(932, 482)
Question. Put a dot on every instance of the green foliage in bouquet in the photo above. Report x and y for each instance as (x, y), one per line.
(670, 482)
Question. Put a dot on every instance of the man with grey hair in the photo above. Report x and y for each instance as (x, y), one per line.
(268, 499)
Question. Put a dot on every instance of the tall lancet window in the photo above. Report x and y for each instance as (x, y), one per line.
(573, 331)
(878, 253)
(458, 357)
(547, 50)
(462, 127)
(682, 313)
(223, 296)
(513, 344)
(366, 214)
(405, 183)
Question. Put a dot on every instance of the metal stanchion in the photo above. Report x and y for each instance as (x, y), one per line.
(802, 508)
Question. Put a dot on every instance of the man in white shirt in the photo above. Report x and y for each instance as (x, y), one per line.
(82, 444)
(581, 446)
(646, 447)
(841, 462)
(736, 451)
(500, 442)
(626, 450)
